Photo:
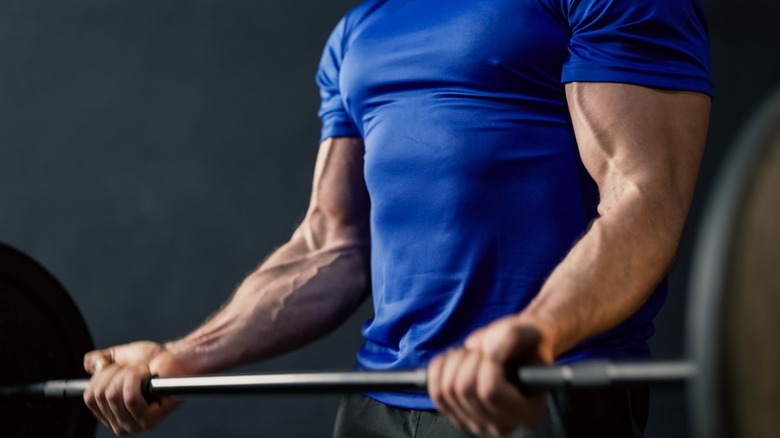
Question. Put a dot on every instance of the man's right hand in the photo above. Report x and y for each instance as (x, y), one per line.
(114, 393)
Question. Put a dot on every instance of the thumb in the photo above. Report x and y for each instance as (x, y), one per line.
(96, 360)
(513, 343)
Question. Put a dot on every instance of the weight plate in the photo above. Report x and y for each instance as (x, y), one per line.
(735, 291)
(42, 336)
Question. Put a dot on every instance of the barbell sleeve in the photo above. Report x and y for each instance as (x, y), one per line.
(69, 389)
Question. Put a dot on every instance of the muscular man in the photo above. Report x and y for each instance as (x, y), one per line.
(510, 178)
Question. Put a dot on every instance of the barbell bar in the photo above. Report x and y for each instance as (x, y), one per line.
(50, 338)
(590, 374)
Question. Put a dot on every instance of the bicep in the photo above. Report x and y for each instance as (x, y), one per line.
(640, 141)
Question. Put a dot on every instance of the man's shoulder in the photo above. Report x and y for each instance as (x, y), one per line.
(360, 12)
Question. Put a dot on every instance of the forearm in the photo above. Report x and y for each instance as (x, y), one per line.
(609, 273)
(307, 287)
(298, 295)
(642, 146)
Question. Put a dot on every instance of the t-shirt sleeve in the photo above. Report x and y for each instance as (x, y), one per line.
(655, 43)
(336, 121)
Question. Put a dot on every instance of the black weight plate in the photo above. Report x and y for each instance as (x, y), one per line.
(42, 336)
(734, 313)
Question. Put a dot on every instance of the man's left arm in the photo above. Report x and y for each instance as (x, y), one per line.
(642, 147)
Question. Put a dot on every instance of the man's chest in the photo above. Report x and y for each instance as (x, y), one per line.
(479, 48)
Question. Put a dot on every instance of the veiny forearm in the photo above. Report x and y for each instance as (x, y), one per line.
(642, 146)
(307, 287)
(295, 297)
(609, 273)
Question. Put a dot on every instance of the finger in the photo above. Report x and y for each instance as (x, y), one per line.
(474, 340)
(509, 341)
(135, 404)
(508, 407)
(99, 404)
(108, 392)
(436, 388)
(90, 400)
(456, 414)
(502, 403)
(121, 420)
(157, 411)
(465, 392)
(94, 361)
(434, 378)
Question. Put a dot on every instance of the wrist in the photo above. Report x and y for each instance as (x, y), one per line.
(202, 354)
(183, 353)
(548, 334)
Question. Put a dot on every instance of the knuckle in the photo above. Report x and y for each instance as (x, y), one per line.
(136, 407)
(466, 388)
(133, 401)
(510, 332)
(113, 395)
(89, 398)
(489, 393)
(91, 402)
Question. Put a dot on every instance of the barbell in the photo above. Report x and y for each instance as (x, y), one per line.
(49, 337)
(732, 372)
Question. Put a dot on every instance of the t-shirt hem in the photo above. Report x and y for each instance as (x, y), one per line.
(667, 79)
(338, 130)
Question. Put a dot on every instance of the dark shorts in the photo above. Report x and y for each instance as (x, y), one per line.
(583, 413)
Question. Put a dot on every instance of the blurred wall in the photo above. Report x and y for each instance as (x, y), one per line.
(153, 152)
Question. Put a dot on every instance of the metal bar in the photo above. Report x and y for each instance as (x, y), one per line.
(596, 374)
(327, 382)
(69, 389)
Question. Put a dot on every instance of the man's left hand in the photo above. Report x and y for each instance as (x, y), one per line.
(469, 385)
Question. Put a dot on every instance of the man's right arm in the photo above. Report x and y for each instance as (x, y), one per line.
(308, 286)
(305, 289)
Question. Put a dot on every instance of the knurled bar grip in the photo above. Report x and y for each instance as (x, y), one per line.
(581, 375)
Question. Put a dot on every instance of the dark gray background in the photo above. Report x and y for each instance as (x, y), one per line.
(153, 152)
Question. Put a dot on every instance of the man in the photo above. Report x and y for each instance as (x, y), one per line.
(510, 178)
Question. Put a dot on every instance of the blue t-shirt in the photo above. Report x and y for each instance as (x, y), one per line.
(477, 189)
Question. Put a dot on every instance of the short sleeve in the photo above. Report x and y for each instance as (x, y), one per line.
(336, 121)
(655, 43)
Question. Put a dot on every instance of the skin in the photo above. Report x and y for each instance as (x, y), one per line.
(305, 289)
(642, 146)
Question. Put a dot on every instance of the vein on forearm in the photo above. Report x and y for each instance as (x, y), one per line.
(282, 306)
(642, 146)
(308, 286)
(612, 270)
